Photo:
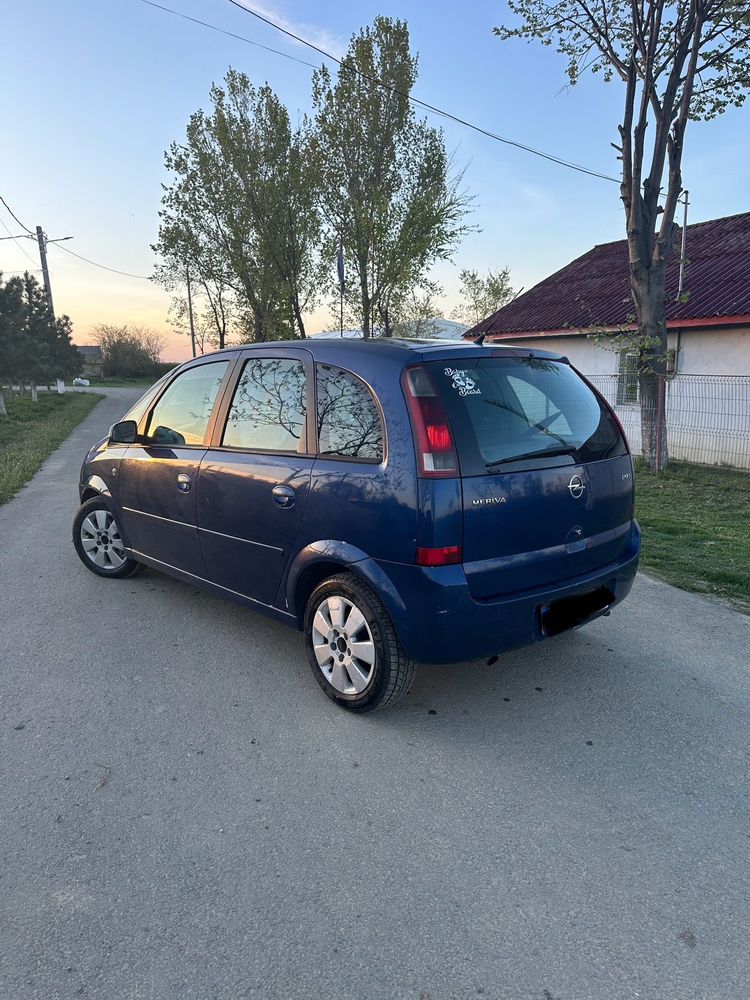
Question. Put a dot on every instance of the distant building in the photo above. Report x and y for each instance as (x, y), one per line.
(708, 328)
(92, 360)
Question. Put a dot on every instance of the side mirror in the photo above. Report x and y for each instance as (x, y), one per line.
(124, 432)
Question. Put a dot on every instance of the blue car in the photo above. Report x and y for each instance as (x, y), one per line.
(400, 501)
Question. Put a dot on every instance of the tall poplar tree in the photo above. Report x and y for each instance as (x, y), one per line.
(241, 210)
(386, 185)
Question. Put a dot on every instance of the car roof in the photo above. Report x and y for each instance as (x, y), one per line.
(397, 349)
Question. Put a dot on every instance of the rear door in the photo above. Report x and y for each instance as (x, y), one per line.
(157, 479)
(255, 478)
(546, 474)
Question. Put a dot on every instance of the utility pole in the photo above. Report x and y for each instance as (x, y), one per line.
(684, 238)
(42, 241)
(342, 283)
(190, 308)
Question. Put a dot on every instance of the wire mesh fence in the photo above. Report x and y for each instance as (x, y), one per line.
(707, 416)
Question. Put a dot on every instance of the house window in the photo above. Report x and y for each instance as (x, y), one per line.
(627, 380)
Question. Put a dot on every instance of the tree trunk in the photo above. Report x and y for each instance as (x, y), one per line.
(3, 407)
(258, 334)
(366, 319)
(652, 366)
(34, 396)
(298, 318)
(387, 328)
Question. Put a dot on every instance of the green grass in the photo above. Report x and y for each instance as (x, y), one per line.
(32, 431)
(696, 529)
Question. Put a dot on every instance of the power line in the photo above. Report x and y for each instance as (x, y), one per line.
(231, 34)
(289, 34)
(15, 216)
(104, 267)
(414, 100)
(47, 242)
(15, 240)
(423, 104)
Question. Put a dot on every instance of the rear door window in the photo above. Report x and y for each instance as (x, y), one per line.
(529, 410)
(348, 419)
(269, 409)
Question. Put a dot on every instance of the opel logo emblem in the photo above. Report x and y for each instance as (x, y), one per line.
(576, 487)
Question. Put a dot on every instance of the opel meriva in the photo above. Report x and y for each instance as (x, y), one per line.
(401, 501)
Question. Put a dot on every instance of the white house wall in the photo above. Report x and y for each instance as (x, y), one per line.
(715, 352)
(583, 352)
(708, 417)
(699, 352)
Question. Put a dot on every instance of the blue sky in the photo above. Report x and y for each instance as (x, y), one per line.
(95, 90)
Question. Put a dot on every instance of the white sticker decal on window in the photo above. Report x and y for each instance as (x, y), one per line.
(463, 382)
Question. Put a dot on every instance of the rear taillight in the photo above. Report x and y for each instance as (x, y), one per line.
(448, 555)
(436, 452)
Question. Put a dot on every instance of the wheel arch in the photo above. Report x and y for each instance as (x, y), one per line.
(94, 487)
(321, 560)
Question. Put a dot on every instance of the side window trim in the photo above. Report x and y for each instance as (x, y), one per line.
(379, 409)
(229, 379)
(145, 419)
(224, 405)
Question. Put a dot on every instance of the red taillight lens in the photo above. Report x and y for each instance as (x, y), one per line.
(436, 452)
(439, 437)
(448, 555)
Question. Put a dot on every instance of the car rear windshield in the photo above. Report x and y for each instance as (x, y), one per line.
(513, 412)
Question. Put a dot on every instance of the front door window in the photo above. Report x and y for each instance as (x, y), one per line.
(181, 416)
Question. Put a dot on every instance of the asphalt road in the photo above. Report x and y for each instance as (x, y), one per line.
(183, 814)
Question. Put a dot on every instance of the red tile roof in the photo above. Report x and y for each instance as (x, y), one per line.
(593, 290)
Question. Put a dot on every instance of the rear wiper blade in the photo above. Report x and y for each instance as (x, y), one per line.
(547, 453)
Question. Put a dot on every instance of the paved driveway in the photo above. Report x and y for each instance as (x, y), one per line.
(185, 815)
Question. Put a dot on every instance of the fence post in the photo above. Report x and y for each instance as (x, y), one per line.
(660, 393)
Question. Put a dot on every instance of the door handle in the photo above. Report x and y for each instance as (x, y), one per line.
(183, 483)
(283, 496)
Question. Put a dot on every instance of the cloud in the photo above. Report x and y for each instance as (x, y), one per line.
(321, 37)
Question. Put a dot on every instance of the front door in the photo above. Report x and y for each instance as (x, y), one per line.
(254, 482)
(158, 478)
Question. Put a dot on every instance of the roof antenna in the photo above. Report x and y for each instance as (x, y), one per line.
(480, 339)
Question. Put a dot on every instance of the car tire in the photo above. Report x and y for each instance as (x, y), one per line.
(352, 646)
(98, 541)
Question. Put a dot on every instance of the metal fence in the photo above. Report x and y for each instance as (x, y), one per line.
(707, 416)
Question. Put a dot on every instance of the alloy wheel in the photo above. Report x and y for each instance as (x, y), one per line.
(101, 541)
(343, 645)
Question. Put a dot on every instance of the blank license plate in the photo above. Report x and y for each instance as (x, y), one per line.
(568, 612)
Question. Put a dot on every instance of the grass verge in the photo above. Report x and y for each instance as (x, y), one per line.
(32, 431)
(696, 529)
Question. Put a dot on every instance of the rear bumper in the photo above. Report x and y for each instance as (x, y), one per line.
(438, 621)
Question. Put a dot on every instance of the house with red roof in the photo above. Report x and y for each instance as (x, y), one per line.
(708, 335)
(708, 325)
